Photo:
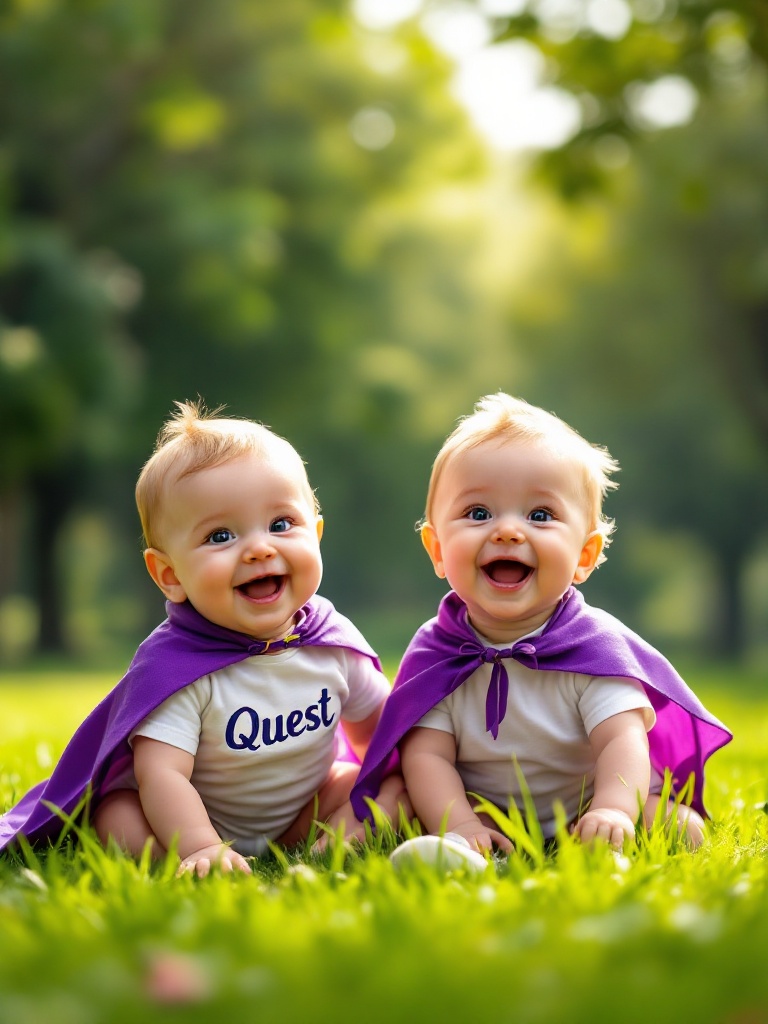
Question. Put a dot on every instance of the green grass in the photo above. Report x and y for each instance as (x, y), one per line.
(664, 935)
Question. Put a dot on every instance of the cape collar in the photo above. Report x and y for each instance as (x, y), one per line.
(579, 639)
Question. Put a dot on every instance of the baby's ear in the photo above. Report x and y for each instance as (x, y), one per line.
(319, 527)
(590, 553)
(432, 544)
(161, 570)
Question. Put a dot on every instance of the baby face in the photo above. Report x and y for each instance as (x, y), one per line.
(510, 531)
(241, 542)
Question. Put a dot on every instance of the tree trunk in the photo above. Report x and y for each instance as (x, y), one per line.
(11, 541)
(729, 634)
(52, 499)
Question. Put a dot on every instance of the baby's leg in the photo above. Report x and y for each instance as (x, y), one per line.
(120, 817)
(689, 823)
(332, 795)
(332, 806)
(392, 799)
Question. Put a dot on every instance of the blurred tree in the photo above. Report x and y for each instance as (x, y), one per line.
(658, 322)
(65, 377)
(636, 65)
(664, 304)
(608, 52)
(253, 198)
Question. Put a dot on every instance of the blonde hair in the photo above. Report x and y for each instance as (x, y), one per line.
(191, 440)
(505, 418)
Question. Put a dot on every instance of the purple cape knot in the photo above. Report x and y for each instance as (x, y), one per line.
(498, 690)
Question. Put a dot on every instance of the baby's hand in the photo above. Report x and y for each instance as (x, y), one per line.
(480, 837)
(219, 855)
(605, 823)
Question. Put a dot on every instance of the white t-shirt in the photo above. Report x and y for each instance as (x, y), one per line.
(262, 733)
(545, 730)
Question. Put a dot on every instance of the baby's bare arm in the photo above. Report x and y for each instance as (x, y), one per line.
(622, 778)
(173, 807)
(359, 733)
(436, 791)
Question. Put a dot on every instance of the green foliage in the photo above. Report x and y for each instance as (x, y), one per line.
(288, 214)
(718, 47)
(92, 936)
(662, 304)
(239, 207)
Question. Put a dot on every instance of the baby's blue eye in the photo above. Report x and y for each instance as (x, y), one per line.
(280, 525)
(220, 536)
(541, 515)
(478, 514)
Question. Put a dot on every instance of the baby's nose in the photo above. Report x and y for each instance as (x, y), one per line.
(258, 547)
(508, 530)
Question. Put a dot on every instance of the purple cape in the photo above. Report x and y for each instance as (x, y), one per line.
(183, 648)
(578, 638)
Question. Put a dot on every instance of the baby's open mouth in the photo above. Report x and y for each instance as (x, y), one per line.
(262, 588)
(507, 572)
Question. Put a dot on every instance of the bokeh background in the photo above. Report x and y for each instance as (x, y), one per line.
(350, 221)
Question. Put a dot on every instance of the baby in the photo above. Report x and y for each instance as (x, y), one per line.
(516, 669)
(225, 733)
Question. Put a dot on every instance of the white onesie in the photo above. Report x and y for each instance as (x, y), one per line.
(263, 734)
(545, 730)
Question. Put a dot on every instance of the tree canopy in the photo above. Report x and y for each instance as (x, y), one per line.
(286, 213)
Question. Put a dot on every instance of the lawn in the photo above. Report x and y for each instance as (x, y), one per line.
(660, 934)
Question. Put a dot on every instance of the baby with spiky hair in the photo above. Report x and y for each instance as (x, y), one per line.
(225, 733)
(517, 677)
